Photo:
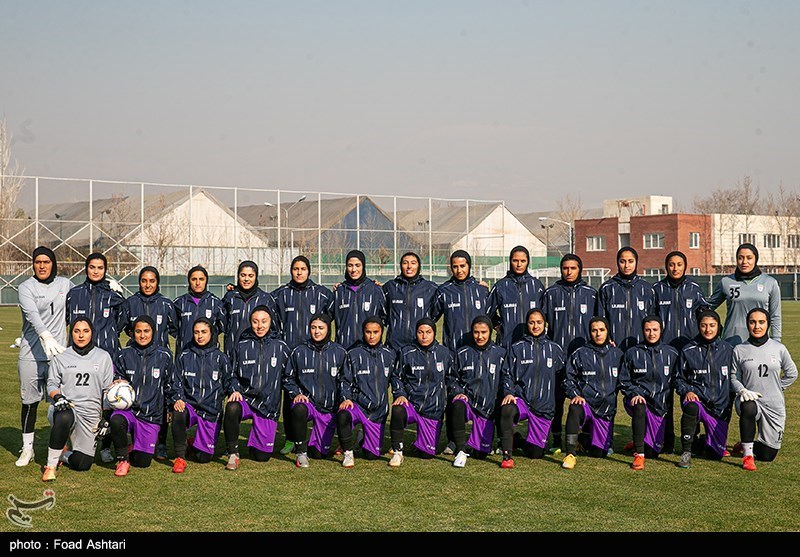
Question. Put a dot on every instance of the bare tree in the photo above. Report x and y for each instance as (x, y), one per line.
(12, 218)
(161, 236)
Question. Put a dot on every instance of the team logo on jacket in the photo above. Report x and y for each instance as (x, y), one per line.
(477, 304)
(533, 304)
(156, 372)
(97, 367)
(334, 371)
(214, 375)
(613, 372)
(666, 370)
(640, 304)
(420, 303)
(273, 361)
(386, 372)
(760, 287)
(106, 312)
(366, 306)
(549, 362)
(313, 308)
(158, 319)
(724, 371)
(774, 359)
(583, 309)
(491, 368)
(439, 366)
(208, 314)
(688, 304)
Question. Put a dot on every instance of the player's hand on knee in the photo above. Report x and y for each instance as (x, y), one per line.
(103, 428)
(60, 403)
(746, 395)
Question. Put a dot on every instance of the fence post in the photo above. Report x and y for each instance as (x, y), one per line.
(794, 286)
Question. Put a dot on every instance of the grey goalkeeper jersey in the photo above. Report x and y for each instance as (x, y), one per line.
(82, 379)
(740, 296)
(43, 308)
(766, 369)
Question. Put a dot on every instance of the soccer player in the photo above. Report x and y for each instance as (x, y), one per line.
(703, 383)
(202, 377)
(473, 391)
(255, 390)
(534, 365)
(364, 392)
(42, 301)
(296, 302)
(625, 299)
(149, 301)
(419, 392)
(240, 302)
(99, 300)
(745, 289)
(76, 383)
(568, 306)
(459, 301)
(197, 302)
(646, 380)
(409, 298)
(149, 370)
(762, 369)
(311, 379)
(513, 296)
(591, 384)
(355, 299)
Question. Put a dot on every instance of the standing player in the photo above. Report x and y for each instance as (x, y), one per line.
(745, 289)
(149, 301)
(240, 302)
(646, 379)
(255, 391)
(703, 383)
(762, 369)
(591, 384)
(625, 299)
(513, 296)
(409, 298)
(473, 392)
(202, 377)
(42, 300)
(355, 299)
(99, 300)
(678, 300)
(76, 383)
(568, 306)
(364, 392)
(197, 302)
(459, 301)
(529, 388)
(311, 379)
(419, 392)
(296, 302)
(149, 370)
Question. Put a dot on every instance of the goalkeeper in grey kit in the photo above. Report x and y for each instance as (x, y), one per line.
(77, 381)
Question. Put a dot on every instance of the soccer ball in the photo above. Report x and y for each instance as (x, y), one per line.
(120, 396)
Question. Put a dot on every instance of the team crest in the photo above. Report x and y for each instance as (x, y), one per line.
(760, 287)
(273, 361)
(313, 308)
(688, 304)
(97, 367)
(724, 371)
(386, 372)
(533, 304)
(477, 304)
(420, 303)
(640, 304)
(214, 375)
(158, 319)
(439, 366)
(549, 362)
(334, 371)
(106, 312)
(666, 370)
(774, 360)
(583, 309)
(613, 372)
(491, 368)
(208, 314)
(366, 306)
(156, 372)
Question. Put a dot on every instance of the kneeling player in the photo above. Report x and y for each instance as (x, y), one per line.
(76, 382)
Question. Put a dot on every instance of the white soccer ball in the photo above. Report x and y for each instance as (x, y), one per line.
(120, 396)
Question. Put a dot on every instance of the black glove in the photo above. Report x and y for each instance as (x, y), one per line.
(103, 428)
(60, 403)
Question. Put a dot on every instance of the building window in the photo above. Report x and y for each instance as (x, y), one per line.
(664, 209)
(695, 271)
(653, 241)
(653, 272)
(694, 240)
(772, 240)
(747, 239)
(793, 241)
(595, 243)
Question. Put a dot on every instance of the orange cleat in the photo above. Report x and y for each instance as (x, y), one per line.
(507, 463)
(123, 467)
(179, 465)
(638, 462)
(749, 463)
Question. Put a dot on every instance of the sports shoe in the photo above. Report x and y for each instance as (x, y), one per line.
(161, 452)
(287, 447)
(726, 453)
(123, 467)
(507, 463)
(349, 460)
(638, 461)
(749, 463)
(25, 457)
(338, 450)
(554, 450)
(569, 462)
(49, 474)
(106, 456)
(628, 447)
(450, 448)
(610, 451)
(397, 459)
(301, 460)
(460, 460)
(737, 450)
(179, 465)
(233, 462)
(685, 460)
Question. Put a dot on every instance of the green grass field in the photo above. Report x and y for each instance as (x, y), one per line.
(598, 495)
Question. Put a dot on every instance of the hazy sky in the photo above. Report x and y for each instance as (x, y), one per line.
(517, 100)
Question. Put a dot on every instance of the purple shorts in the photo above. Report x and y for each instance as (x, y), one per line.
(538, 427)
(716, 429)
(373, 432)
(428, 430)
(205, 440)
(480, 439)
(145, 434)
(262, 434)
(322, 430)
(602, 430)
(655, 428)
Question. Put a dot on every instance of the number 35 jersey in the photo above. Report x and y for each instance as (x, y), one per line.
(740, 296)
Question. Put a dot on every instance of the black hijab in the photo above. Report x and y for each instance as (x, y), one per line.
(88, 348)
(91, 257)
(419, 266)
(649, 319)
(760, 341)
(465, 255)
(158, 279)
(635, 257)
(755, 271)
(486, 321)
(325, 318)
(360, 256)
(528, 316)
(247, 293)
(700, 339)
(143, 319)
(674, 283)
(300, 259)
(599, 319)
(514, 250)
(572, 257)
(192, 271)
(41, 250)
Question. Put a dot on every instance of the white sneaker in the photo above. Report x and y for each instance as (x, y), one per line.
(25, 457)
(461, 459)
(450, 448)
(106, 456)
(301, 460)
(349, 460)
(397, 459)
